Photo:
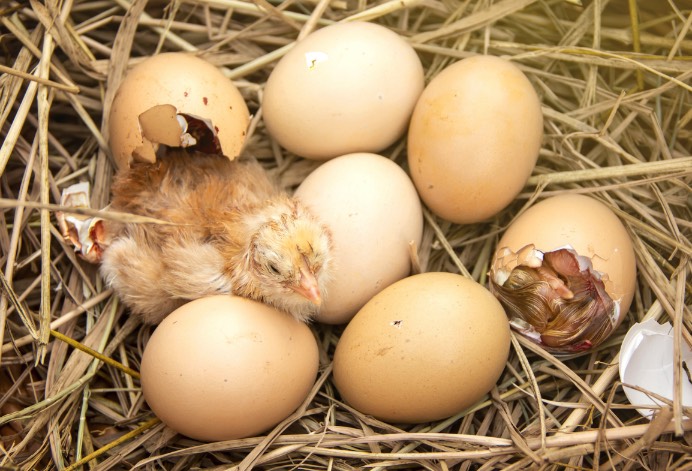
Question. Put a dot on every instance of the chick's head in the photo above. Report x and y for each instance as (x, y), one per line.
(291, 259)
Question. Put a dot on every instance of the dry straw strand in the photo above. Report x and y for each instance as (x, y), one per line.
(614, 80)
(95, 354)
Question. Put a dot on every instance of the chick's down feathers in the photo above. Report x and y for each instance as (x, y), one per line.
(232, 231)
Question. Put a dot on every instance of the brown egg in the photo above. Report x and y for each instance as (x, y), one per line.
(423, 349)
(348, 87)
(565, 271)
(474, 138)
(190, 86)
(225, 367)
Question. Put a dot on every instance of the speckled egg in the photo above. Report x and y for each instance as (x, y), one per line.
(423, 349)
(186, 84)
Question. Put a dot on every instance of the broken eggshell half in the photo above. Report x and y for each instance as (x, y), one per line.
(192, 88)
(565, 273)
(647, 360)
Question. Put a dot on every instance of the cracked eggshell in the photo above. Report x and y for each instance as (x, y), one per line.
(348, 87)
(647, 360)
(474, 138)
(374, 212)
(423, 349)
(190, 84)
(225, 367)
(587, 226)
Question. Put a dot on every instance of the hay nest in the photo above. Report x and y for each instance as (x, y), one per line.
(614, 78)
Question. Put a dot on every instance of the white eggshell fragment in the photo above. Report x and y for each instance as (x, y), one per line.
(374, 213)
(348, 87)
(647, 361)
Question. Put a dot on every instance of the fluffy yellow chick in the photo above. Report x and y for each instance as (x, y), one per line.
(234, 232)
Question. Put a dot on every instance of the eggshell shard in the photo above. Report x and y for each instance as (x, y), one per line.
(565, 272)
(189, 85)
(223, 367)
(647, 360)
(348, 87)
(374, 213)
(423, 349)
(474, 138)
(159, 124)
(86, 234)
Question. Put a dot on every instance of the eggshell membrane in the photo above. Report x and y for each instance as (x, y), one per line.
(590, 228)
(223, 367)
(346, 88)
(423, 349)
(374, 212)
(474, 138)
(192, 85)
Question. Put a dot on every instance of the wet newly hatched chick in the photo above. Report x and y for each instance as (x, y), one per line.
(234, 231)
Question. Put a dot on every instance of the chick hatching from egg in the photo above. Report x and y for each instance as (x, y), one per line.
(233, 231)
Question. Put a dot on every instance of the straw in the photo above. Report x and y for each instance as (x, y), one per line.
(614, 82)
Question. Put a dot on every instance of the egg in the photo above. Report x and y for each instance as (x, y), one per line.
(373, 212)
(345, 88)
(565, 270)
(223, 367)
(423, 349)
(474, 138)
(187, 85)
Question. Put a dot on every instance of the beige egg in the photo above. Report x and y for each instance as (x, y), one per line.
(374, 213)
(189, 85)
(223, 367)
(348, 87)
(592, 258)
(423, 349)
(474, 138)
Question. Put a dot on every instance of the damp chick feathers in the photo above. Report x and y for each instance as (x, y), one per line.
(232, 231)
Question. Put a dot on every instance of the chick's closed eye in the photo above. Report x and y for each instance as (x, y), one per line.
(291, 253)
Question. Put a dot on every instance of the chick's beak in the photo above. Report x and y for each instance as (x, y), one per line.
(307, 286)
